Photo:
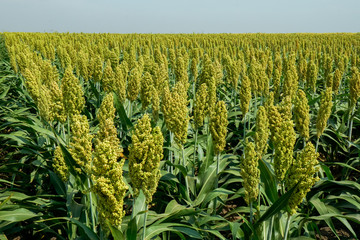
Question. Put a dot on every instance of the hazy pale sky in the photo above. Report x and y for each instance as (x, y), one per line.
(181, 16)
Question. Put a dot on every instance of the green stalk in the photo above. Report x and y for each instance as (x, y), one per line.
(171, 153)
(184, 165)
(216, 181)
(287, 227)
(235, 100)
(91, 207)
(244, 126)
(68, 130)
(351, 125)
(144, 228)
(194, 159)
(251, 212)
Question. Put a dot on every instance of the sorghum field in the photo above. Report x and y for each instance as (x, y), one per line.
(179, 136)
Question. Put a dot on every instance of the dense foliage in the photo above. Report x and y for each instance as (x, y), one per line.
(189, 136)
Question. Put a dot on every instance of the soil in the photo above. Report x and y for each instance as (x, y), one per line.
(327, 234)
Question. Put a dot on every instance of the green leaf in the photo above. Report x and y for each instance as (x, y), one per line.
(17, 215)
(89, 233)
(235, 229)
(125, 121)
(57, 183)
(214, 194)
(116, 233)
(155, 230)
(276, 207)
(343, 165)
(321, 208)
(139, 207)
(207, 181)
(10, 183)
(209, 154)
(269, 180)
(165, 176)
(131, 231)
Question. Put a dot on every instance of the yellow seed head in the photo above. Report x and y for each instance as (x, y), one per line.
(107, 171)
(72, 92)
(146, 90)
(354, 86)
(155, 100)
(32, 83)
(312, 75)
(262, 131)
(57, 109)
(43, 104)
(218, 126)
(97, 68)
(324, 111)
(290, 82)
(285, 108)
(329, 80)
(245, 94)
(59, 165)
(80, 143)
(134, 84)
(337, 80)
(145, 154)
(174, 107)
(303, 172)
(211, 96)
(200, 105)
(250, 172)
(284, 147)
(301, 113)
(108, 79)
(181, 72)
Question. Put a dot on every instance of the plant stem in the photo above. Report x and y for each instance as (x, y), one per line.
(171, 154)
(194, 159)
(244, 126)
(144, 228)
(317, 144)
(234, 90)
(193, 168)
(251, 212)
(216, 180)
(287, 227)
(184, 165)
(351, 125)
(91, 206)
(68, 130)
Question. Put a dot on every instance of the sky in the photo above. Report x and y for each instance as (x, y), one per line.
(181, 16)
